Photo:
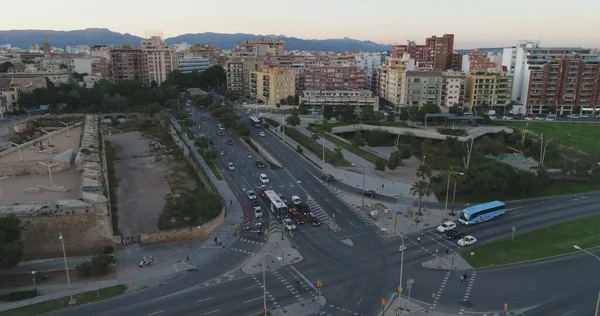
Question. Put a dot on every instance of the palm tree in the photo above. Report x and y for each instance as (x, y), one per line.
(419, 189)
(424, 172)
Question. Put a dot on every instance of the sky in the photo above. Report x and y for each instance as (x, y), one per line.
(475, 23)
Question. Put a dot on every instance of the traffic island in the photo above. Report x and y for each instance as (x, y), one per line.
(447, 262)
(405, 306)
(276, 252)
(304, 308)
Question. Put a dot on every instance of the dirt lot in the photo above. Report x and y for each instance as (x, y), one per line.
(142, 184)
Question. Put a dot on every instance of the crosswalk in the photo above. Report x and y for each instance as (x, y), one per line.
(318, 211)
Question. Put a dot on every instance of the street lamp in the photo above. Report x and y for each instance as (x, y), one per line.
(323, 141)
(265, 280)
(66, 125)
(33, 276)
(448, 188)
(523, 136)
(18, 147)
(593, 255)
(49, 169)
(402, 248)
(62, 242)
(363, 189)
(49, 136)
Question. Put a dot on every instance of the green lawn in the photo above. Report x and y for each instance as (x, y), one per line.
(557, 189)
(583, 136)
(188, 132)
(351, 148)
(292, 147)
(214, 169)
(316, 148)
(57, 304)
(550, 241)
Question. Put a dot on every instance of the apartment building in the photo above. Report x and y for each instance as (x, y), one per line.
(159, 60)
(271, 84)
(437, 53)
(258, 48)
(101, 67)
(100, 51)
(479, 60)
(214, 55)
(333, 78)
(453, 89)
(515, 60)
(12, 88)
(357, 98)
(392, 80)
(190, 63)
(127, 63)
(490, 87)
(423, 87)
(369, 63)
(564, 78)
(238, 73)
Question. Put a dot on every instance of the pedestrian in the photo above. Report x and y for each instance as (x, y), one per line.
(446, 251)
(462, 280)
(382, 187)
(215, 240)
(187, 258)
(298, 284)
(419, 240)
(465, 276)
(230, 202)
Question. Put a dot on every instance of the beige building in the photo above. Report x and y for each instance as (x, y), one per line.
(238, 73)
(490, 87)
(357, 98)
(453, 89)
(258, 48)
(271, 84)
(392, 81)
(159, 60)
(423, 87)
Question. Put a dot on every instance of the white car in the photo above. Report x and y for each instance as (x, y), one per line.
(221, 127)
(446, 226)
(507, 118)
(289, 224)
(467, 241)
(251, 195)
(296, 200)
(262, 134)
(231, 166)
(257, 213)
(263, 178)
(529, 118)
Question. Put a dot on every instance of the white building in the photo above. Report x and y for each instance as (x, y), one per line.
(453, 89)
(368, 63)
(515, 60)
(160, 60)
(356, 98)
(190, 63)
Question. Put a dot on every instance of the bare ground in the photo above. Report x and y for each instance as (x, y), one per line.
(142, 183)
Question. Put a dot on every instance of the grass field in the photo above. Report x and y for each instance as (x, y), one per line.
(546, 242)
(583, 136)
(57, 304)
(351, 148)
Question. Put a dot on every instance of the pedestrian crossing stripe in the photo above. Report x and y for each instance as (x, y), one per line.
(318, 211)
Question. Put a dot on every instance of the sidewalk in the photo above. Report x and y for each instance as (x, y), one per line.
(303, 308)
(274, 247)
(406, 307)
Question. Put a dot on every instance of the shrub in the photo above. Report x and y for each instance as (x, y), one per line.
(272, 122)
(380, 164)
(21, 295)
(108, 249)
(84, 269)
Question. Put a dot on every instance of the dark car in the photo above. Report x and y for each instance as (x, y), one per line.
(369, 193)
(327, 177)
(314, 221)
(230, 142)
(454, 234)
(260, 164)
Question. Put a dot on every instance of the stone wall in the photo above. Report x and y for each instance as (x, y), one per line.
(191, 161)
(22, 168)
(182, 234)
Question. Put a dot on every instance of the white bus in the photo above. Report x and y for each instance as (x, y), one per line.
(255, 122)
(276, 205)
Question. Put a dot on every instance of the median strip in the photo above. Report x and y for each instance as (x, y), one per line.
(538, 244)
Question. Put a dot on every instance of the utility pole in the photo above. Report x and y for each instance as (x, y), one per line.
(469, 152)
(541, 147)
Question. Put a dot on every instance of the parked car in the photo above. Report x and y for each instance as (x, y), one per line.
(446, 226)
(231, 166)
(260, 164)
(369, 193)
(263, 178)
(262, 134)
(467, 241)
(453, 235)
(288, 224)
(251, 194)
(296, 200)
(327, 177)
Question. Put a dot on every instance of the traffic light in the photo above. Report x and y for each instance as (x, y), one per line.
(383, 302)
(319, 284)
(505, 306)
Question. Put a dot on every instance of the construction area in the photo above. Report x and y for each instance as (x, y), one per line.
(52, 178)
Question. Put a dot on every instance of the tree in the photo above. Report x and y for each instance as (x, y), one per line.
(552, 109)
(456, 110)
(5, 65)
(576, 109)
(278, 105)
(337, 151)
(202, 142)
(405, 153)
(315, 136)
(290, 100)
(380, 164)
(369, 116)
(328, 111)
(11, 246)
(282, 102)
(294, 118)
(428, 151)
(326, 126)
(63, 66)
(202, 99)
(420, 189)
(424, 172)
(347, 113)
(358, 139)
(395, 160)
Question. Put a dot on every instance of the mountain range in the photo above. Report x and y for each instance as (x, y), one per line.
(101, 36)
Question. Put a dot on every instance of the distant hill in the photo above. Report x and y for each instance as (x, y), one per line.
(26, 38)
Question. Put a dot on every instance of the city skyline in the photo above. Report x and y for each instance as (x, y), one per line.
(475, 24)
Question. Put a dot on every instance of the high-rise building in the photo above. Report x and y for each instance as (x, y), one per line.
(258, 48)
(101, 67)
(479, 60)
(563, 80)
(127, 63)
(334, 78)
(423, 87)
(392, 80)
(271, 84)
(419, 53)
(515, 60)
(368, 63)
(437, 53)
(238, 73)
(159, 58)
(453, 89)
(489, 88)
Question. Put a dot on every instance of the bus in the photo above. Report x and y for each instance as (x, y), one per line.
(481, 213)
(276, 205)
(255, 122)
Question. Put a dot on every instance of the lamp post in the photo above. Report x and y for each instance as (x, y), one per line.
(524, 132)
(265, 280)
(19, 148)
(34, 285)
(49, 169)
(402, 248)
(448, 188)
(49, 136)
(66, 125)
(62, 242)
(28, 112)
(363, 189)
(593, 255)
(397, 212)
(323, 143)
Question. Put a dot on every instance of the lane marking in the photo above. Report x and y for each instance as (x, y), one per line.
(254, 299)
(568, 313)
(249, 287)
(361, 298)
(161, 311)
(212, 312)
(204, 299)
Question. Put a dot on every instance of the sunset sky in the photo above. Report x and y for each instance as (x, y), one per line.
(475, 23)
